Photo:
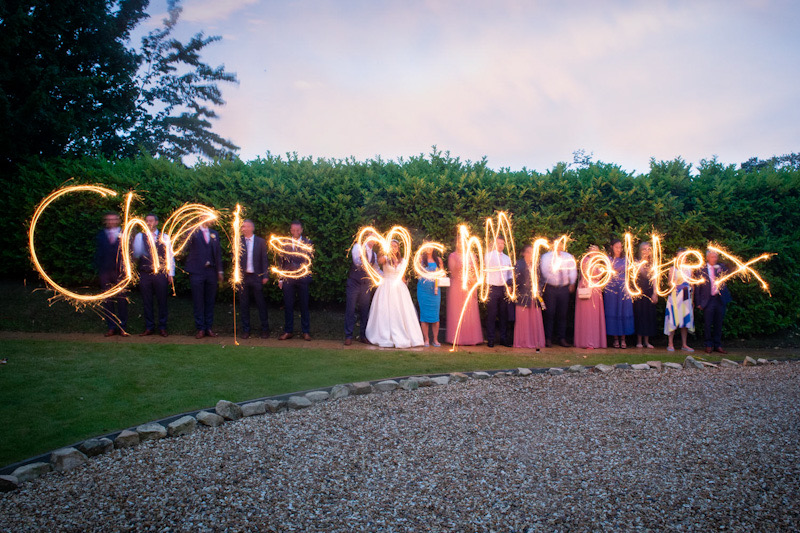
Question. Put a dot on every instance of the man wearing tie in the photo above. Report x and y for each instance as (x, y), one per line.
(109, 264)
(154, 284)
(359, 292)
(295, 288)
(559, 282)
(254, 268)
(499, 273)
(204, 265)
(713, 301)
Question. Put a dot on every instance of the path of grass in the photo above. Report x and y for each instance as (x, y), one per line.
(54, 393)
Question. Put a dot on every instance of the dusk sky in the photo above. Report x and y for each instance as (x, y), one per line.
(523, 83)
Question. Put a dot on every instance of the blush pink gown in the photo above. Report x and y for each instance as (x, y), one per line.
(590, 320)
(471, 332)
(529, 328)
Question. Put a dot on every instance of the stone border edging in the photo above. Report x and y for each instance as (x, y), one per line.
(68, 457)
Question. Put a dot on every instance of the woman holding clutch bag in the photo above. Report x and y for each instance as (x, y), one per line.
(590, 319)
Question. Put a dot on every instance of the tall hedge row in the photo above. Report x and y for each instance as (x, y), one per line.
(750, 212)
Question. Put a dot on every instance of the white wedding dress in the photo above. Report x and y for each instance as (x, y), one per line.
(393, 321)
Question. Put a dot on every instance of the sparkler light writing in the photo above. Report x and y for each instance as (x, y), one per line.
(421, 272)
(183, 222)
(472, 266)
(742, 269)
(538, 244)
(596, 267)
(74, 296)
(289, 246)
(492, 233)
(236, 247)
(632, 269)
(371, 235)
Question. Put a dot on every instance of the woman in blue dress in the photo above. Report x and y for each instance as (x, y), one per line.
(429, 298)
(616, 300)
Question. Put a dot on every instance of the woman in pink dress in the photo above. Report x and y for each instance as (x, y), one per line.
(529, 328)
(590, 318)
(470, 333)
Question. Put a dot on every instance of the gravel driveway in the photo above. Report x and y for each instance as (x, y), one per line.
(678, 450)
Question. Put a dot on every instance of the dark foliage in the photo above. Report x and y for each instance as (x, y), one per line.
(750, 212)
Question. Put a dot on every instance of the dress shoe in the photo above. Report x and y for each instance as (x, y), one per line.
(564, 343)
(200, 334)
(285, 336)
(490, 344)
(265, 334)
(210, 333)
(110, 333)
(146, 333)
(246, 335)
(720, 349)
(123, 333)
(709, 349)
(348, 341)
(363, 340)
(306, 337)
(163, 332)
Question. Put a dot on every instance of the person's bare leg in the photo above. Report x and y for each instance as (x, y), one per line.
(435, 339)
(671, 340)
(424, 326)
(684, 337)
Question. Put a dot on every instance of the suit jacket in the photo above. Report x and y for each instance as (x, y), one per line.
(703, 291)
(292, 262)
(260, 261)
(107, 255)
(200, 252)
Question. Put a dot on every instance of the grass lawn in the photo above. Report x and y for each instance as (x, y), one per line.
(59, 391)
(54, 393)
(27, 307)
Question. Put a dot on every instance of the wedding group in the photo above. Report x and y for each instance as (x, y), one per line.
(204, 265)
(603, 316)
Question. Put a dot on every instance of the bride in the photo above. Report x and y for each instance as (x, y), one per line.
(393, 319)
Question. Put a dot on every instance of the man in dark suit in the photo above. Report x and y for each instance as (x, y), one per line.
(110, 266)
(713, 301)
(254, 268)
(295, 288)
(359, 292)
(154, 285)
(204, 265)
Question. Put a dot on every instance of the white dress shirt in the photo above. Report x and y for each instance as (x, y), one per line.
(248, 244)
(498, 268)
(565, 274)
(139, 248)
(356, 253)
(113, 234)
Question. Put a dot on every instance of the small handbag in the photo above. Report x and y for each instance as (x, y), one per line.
(584, 293)
(443, 282)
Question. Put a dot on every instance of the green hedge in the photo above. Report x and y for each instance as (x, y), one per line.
(750, 212)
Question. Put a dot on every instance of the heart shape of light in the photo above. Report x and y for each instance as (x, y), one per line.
(371, 235)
